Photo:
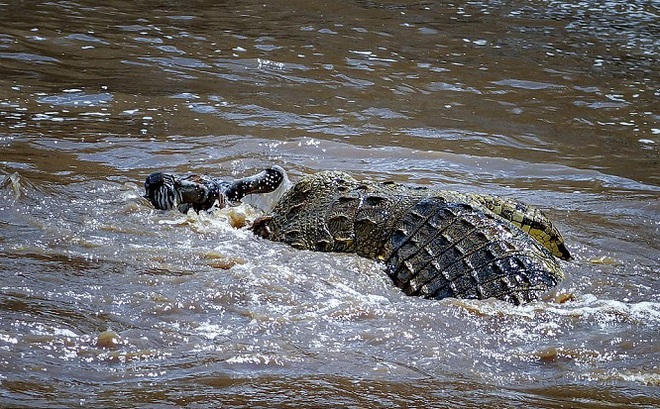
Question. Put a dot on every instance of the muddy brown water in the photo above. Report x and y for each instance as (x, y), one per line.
(105, 302)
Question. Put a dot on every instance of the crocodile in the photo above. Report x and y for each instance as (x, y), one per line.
(433, 243)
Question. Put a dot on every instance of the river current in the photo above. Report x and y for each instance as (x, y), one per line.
(106, 302)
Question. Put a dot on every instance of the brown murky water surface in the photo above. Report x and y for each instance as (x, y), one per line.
(105, 302)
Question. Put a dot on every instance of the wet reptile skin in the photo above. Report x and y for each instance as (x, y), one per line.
(434, 243)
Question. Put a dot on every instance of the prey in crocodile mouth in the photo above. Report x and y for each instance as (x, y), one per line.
(166, 191)
(434, 243)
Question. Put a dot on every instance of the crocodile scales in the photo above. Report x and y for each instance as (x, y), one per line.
(434, 243)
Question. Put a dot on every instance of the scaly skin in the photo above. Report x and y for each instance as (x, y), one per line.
(529, 219)
(434, 244)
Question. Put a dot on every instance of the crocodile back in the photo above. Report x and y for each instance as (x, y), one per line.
(434, 244)
(440, 248)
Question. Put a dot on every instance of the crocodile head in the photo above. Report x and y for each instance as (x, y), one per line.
(166, 191)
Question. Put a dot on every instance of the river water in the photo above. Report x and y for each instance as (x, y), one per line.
(105, 302)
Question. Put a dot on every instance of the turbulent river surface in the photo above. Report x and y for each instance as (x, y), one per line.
(106, 302)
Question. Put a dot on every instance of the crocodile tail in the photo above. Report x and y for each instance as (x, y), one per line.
(529, 219)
